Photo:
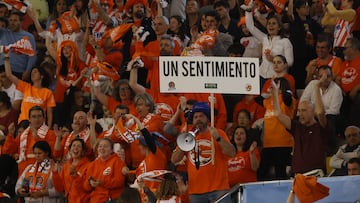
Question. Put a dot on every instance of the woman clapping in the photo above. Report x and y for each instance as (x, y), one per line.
(72, 176)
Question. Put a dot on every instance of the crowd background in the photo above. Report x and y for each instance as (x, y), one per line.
(92, 89)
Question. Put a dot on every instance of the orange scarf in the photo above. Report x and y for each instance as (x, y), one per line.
(38, 175)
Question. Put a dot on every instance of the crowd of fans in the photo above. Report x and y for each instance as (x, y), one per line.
(82, 117)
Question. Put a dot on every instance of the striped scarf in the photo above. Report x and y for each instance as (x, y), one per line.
(41, 132)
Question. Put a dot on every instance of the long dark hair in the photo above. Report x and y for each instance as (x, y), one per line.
(278, 20)
(284, 85)
(168, 187)
(45, 81)
(248, 141)
(182, 29)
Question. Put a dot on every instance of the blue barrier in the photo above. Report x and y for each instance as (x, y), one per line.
(343, 189)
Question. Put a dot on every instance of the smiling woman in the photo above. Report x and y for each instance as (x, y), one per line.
(104, 181)
(34, 94)
(71, 178)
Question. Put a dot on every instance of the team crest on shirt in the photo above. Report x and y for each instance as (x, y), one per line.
(349, 75)
(236, 164)
(107, 171)
(203, 147)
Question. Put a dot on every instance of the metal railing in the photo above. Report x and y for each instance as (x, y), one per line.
(233, 196)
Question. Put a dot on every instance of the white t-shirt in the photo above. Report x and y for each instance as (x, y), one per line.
(13, 93)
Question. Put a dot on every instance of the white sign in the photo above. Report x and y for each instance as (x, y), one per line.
(230, 75)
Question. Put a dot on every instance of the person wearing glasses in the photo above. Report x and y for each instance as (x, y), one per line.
(351, 149)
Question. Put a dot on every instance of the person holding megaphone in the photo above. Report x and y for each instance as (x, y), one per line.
(206, 160)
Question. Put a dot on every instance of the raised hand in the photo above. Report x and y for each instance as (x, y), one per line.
(57, 130)
(253, 146)
(91, 120)
(275, 86)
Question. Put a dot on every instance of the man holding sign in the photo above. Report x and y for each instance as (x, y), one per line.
(206, 162)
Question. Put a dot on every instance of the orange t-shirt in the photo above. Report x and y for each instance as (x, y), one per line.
(34, 97)
(333, 61)
(239, 168)
(350, 74)
(209, 177)
(275, 134)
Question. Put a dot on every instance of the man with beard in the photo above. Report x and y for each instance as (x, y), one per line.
(80, 130)
(206, 162)
(21, 64)
(22, 144)
(310, 135)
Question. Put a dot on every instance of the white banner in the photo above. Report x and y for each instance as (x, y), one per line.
(231, 75)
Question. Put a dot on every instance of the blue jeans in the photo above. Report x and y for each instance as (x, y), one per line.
(206, 197)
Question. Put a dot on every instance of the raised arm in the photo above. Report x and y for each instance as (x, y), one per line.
(8, 72)
(227, 148)
(49, 116)
(92, 122)
(345, 14)
(319, 105)
(290, 11)
(110, 22)
(253, 157)
(253, 30)
(284, 119)
(103, 99)
(137, 88)
(31, 12)
(50, 48)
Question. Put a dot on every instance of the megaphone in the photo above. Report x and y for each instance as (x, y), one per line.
(186, 141)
